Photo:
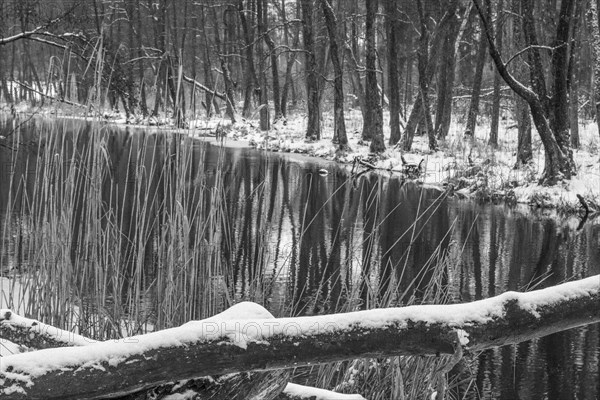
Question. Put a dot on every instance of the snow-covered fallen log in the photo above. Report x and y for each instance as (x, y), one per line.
(223, 344)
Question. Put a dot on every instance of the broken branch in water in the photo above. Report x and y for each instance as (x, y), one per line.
(224, 344)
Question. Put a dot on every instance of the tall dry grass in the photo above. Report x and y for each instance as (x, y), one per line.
(113, 246)
(110, 256)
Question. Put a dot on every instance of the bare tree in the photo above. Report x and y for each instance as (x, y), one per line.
(224, 61)
(521, 110)
(373, 117)
(550, 115)
(497, 95)
(263, 24)
(250, 78)
(434, 45)
(392, 33)
(443, 115)
(423, 61)
(339, 135)
(473, 112)
(313, 129)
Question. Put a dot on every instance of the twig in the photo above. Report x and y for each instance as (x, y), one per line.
(50, 97)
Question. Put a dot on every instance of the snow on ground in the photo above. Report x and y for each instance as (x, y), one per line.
(253, 323)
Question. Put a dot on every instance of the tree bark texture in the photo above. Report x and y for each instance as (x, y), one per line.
(423, 61)
(373, 118)
(497, 95)
(274, 62)
(250, 78)
(339, 135)
(443, 115)
(392, 34)
(313, 128)
(229, 86)
(473, 113)
(594, 18)
(265, 122)
(521, 110)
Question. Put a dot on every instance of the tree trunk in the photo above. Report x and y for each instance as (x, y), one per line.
(524, 150)
(560, 70)
(265, 123)
(497, 95)
(392, 34)
(573, 76)
(521, 110)
(477, 80)
(355, 77)
(229, 90)
(140, 52)
(443, 115)
(594, 18)
(274, 61)
(291, 60)
(373, 118)
(434, 48)
(218, 345)
(250, 78)
(339, 135)
(313, 128)
(423, 60)
(257, 385)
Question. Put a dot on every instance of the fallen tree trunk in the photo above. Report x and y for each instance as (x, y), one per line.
(217, 346)
(31, 335)
(198, 85)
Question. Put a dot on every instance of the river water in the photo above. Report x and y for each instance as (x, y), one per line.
(168, 229)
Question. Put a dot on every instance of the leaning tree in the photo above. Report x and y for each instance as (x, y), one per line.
(549, 103)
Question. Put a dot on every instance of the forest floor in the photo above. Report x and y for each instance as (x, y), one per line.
(469, 167)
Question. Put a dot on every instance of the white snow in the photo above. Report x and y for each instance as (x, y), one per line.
(307, 392)
(463, 337)
(187, 395)
(49, 330)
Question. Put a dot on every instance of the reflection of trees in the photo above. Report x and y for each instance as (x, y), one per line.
(370, 202)
(313, 253)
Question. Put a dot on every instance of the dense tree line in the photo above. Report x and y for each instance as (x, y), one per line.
(424, 61)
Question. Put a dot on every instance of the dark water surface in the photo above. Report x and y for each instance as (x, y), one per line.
(295, 241)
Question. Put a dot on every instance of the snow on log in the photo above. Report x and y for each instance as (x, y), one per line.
(221, 345)
(37, 335)
(299, 392)
(246, 385)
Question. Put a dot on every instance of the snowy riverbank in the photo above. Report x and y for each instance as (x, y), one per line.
(471, 167)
